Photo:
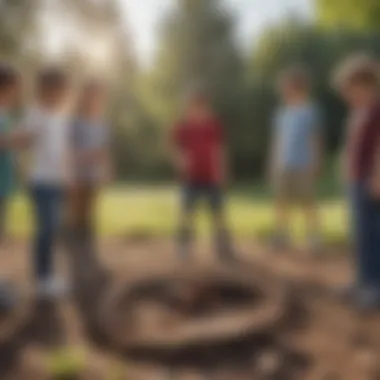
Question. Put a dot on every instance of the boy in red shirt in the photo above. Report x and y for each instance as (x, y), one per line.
(200, 160)
(358, 81)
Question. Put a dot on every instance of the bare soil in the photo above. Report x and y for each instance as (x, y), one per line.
(313, 337)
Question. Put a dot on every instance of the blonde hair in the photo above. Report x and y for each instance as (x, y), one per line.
(357, 69)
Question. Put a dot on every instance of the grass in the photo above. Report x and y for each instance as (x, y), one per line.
(152, 211)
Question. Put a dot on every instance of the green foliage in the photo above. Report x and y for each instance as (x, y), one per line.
(196, 47)
(293, 42)
(17, 27)
(362, 15)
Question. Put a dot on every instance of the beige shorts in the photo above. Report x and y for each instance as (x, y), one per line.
(294, 185)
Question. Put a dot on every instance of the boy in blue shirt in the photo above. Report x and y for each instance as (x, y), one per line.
(296, 156)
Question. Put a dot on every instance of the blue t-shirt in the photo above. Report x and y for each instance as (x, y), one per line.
(6, 160)
(295, 128)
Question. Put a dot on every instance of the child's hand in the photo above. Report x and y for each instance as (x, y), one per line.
(224, 179)
(19, 139)
(375, 187)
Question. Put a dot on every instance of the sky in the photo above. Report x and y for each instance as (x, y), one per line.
(252, 16)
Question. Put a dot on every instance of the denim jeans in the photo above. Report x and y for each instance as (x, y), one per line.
(211, 194)
(46, 201)
(366, 233)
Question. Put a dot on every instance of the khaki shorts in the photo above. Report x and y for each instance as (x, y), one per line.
(294, 185)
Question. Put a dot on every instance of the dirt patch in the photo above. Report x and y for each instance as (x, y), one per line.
(161, 321)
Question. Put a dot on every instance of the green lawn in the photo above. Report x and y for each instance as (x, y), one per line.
(152, 210)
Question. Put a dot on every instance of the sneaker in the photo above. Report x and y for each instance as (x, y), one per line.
(51, 288)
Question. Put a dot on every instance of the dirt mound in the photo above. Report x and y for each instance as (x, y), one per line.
(205, 318)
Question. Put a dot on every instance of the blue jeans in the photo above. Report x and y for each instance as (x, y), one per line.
(211, 194)
(366, 232)
(46, 201)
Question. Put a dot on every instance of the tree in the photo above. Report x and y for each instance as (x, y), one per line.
(197, 46)
(17, 27)
(361, 15)
(320, 49)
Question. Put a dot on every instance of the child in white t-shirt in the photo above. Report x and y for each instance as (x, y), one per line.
(47, 127)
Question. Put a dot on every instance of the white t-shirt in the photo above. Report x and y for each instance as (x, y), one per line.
(50, 148)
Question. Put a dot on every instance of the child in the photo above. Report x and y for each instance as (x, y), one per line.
(47, 128)
(9, 92)
(9, 84)
(358, 80)
(296, 155)
(91, 157)
(201, 163)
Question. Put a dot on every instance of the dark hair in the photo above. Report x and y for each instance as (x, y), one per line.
(51, 78)
(8, 76)
(298, 76)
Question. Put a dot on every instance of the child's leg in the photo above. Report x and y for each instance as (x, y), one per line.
(46, 202)
(365, 235)
(306, 193)
(87, 219)
(222, 234)
(283, 188)
(372, 228)
(190, 195)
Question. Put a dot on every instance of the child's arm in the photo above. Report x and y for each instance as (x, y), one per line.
(375, 179)
(90, 156)
(176, 155)
(317, 155)
(272, 165)
(22, 136)
(316, 144)
(108, 166)
(273, 156)
(20, 139)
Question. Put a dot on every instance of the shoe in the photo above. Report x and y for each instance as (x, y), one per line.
(51, 288)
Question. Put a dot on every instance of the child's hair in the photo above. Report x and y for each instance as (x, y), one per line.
(197, 95)
(357, 69)
(8, 76)
(90, 87)
(51, 79)
(298, 76)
